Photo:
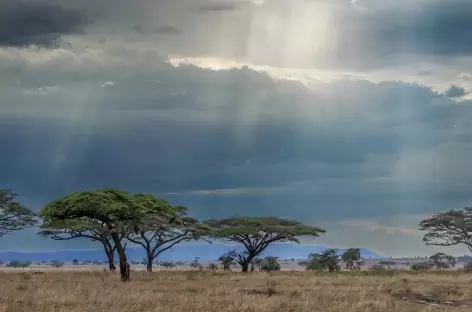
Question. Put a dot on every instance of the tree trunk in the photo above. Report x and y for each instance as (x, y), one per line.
(110, 252)
(124, 266)
(245, 267)
(149, 263)
(111, 262)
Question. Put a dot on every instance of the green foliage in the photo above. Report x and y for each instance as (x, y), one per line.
(449, 228)
(111, 209)
(213, 267)
(351, 258)
(270, 264)
(227, 259)
(257, 233)
(18, 264)
(163, 226)
(422, 266)
(327, 260)
(443, 261)
(56, 264)
(13, 215)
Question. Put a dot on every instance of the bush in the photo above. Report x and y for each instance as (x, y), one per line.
(270, 264)
(327, 260)
(56, 263)
(18, 264)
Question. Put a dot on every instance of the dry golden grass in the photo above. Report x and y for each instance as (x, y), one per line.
(206, 291)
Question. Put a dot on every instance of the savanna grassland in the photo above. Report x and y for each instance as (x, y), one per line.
(223, 291)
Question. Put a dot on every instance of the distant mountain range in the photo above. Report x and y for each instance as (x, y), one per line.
(187, 252)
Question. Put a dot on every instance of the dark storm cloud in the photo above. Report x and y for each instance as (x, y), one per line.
(238, 130)
(388, 33)
(456, 92)
(35, 23)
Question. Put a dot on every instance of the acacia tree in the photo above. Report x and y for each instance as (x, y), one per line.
(327, 260)
(164, 229)
(351, 256)
(115, 209)
(13, 215)
(443, 261)
(83, 228)
(257, 233)
(449, 228)
(227, 259)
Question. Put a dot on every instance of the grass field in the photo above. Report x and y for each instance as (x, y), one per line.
(207, 291)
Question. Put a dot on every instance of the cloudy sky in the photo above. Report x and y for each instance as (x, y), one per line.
(347, 114)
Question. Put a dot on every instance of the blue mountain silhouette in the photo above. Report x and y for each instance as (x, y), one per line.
(184, 252)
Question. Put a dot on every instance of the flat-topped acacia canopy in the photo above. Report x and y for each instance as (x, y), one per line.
(257, 233)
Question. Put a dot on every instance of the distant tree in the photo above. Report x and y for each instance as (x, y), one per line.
(257, 263)
(443, 261)
(97, 262)
(179, 263)
(44, 262)
(213, 267)
(327, 260)
(257, 233)
(167, 227)
(56, 263)
(75, 262)
(270, 264)
(350, 257)
(18, 264)
(422, 266)
(449, 228)
(2, 262)
(227, 259)
(38, 263)
(115, 210)
(386, 263)
(168, 264)
(13, 215)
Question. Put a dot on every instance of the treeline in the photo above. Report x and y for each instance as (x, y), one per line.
(113, 217)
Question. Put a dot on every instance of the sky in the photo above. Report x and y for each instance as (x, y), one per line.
(349, 115)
